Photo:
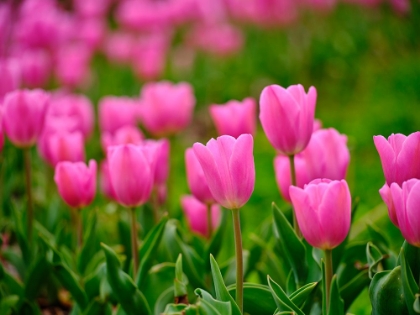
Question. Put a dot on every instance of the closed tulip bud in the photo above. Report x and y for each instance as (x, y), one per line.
(399, 157)
(228, 166)
(65, 146)
(160, 158)
(116, 112)
(105, 181)
(76, 182)
(196, 215)
(235, 118)
(287, 117)
(407, 206)
(196, 179)
(323, 212)
(131, 174)
(124, 135)
(23, 116)
(386, 195)
(166, 108)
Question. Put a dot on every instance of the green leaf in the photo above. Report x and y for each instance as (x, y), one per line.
(174, 309)
(165, 298)
(131, 299)
(257, 298)
(222, 293)
(282, 300)
(89, 242)
(410, 287)
(336, 302)
(37, 276)
(181, 281)
(217, 240)
(148, 250)
(293, 246)
(416, 304)
(374, 258)
(224, 308)
(352, 289)
(386, 293)
(92, 281)
(98, 307)
(14, 286)
(22, 237)
(300, 296)
(8, 303)
(69, 280)
(377, 236)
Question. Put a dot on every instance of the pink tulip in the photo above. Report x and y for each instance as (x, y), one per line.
(386, 195)
(123, 135)
(326, 156)
(10, 76)
(323, 212)
(118, 47)
(74, 106)
(76, 182)
(116, 112)
(105, 181)
(65, 146)
(131, 174)
(90, 31)
(399, 157)
(196, 215)
(24, 115)
(235, 118)
(196, 179)
(35, 68)
(228, 166)
(91, 8)
(160, 157)
(167, 108)
(407, 207)
(287, 117)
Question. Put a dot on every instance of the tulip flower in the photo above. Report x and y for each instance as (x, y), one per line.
(399, 156)
(323, 211)
(228, 166)
(326, 156)
(10, 76)
(76, 184)
(131, 175)
(123, 135)
(166, 108)
(386, 195)
(65, 146)
(407, 207)
(235, 118)
(197, 216)
(23, 116)
(196, 179)
(287, 117)
(35, 68)
(116, 112)
(105, 181)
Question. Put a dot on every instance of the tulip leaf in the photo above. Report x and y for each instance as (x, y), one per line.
(223, 308)
(68, 279)
(38, 273)
(217, 240)
(257, 298)
(386, 293)
(148, 250)
(175, 309)
(165, 298)
(88, 249)
(281, 299)
(336, 306)
(21, 237)
(293, 247)
(7, 304)
(416, 305)
(300, 296)
(181, 281)
(351, 290)
(222, 293)
(93, 281)
(131, 299)
(98, 307)
(124, 232)
(410, 287)
(374, 258)
(377, 236)
(412, 258)
(14, 286)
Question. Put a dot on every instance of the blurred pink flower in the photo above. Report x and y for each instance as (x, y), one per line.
(123, 135)
(10, 76)
(116, 112)
(105, 181)
(386, 195)
(118, 47)
(64, 146)
(35, 68)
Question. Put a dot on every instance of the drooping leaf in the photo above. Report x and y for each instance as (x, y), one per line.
(374, 258)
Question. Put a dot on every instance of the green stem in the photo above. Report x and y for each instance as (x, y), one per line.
(30, 214)
(134, 246)
(239, 259)
(328, 276)
(155, 204)
(293, 178)
(79, 228)
(209, 222)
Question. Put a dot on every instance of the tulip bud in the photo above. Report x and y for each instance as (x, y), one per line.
(196, 215)
(76, 182)
(105, 181)
(117, 112)
(228, 166)
(235, 118)
(323, 211)
(65, 146)
(123, 135)
(386, 195)
(287, 117)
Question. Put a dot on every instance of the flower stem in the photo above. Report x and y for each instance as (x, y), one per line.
(30, 213)
(293, 177)
(134, 246)
(328, 275)
(209, 221)
(239, 259)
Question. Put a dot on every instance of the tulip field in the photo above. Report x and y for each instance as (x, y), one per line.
(211, 157)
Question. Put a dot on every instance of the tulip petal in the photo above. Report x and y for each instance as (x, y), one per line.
(388, 158)
(408, 158)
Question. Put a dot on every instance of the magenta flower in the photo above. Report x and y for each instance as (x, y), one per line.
(407, 206)
(76, 182)
(326, 156)
(116, 112)
(35, 67)
(105, 181)
(323, 211)
(399, 156)
(166, 108)
(65, 146)
(196, 214)
(23, 116)
(287, 117)
(386, 195)
(158, 153)
(123, 135)
(228, 166)
(235, 118)
(10, 76)
(131, 174)
(196, 179)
